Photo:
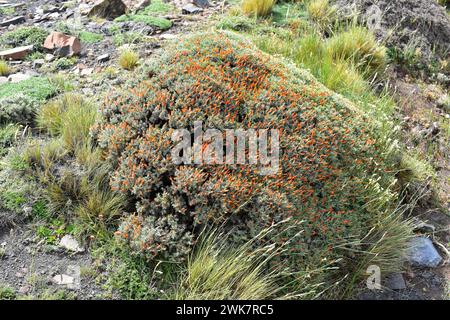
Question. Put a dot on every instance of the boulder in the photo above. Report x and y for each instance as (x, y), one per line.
(63, 45)
(422, 253)
(108, 9)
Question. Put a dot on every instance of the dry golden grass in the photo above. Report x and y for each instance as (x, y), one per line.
(259, 8)
(4, 68)
(321, 12)
(128, 59)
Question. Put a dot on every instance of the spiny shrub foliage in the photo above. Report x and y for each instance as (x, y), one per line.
(327, 154)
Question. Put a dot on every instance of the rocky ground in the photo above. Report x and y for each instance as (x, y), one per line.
(35, 268)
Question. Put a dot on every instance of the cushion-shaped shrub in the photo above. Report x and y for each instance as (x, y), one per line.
(328, 152)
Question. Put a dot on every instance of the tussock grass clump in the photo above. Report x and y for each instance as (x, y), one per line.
(321, 13)
(98, 212)
(258, 8)
(4, 68)
(70, 116)
(128, 59)
(217, 271)
(44, 155)
(358, 45)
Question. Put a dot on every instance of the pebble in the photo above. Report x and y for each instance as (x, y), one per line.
(68, 242)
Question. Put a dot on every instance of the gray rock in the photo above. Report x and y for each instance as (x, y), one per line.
(38, 63)
(395, 281)
(108, 9)
(422, 253)
(201, 3)
(191, 9)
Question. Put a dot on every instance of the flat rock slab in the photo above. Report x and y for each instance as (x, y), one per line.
(422, 253)
(18, 77)
(13, 21)
(18, 53)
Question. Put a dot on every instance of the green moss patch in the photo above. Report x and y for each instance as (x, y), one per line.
(151, 15)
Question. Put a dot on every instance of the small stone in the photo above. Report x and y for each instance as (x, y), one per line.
(201, 3)
(424, 227)
(63, 280)
(16, 54)
(54, 15)
(103, 58)
(38, 63)
(168, 36)
(13, 21)
(69, 243)
(3, 80)
(395, 281)
(24, 290)
(49, 57)
(191, 9)
(86, 71)
(17, 77)
(422, 253)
